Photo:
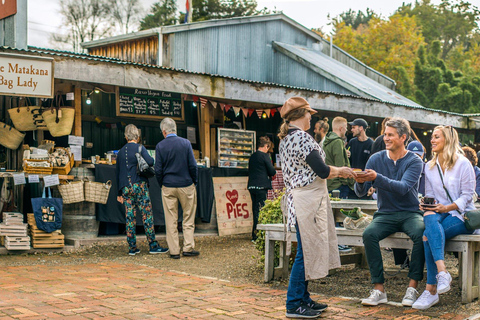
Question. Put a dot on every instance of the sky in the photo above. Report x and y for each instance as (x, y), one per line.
(44, 18)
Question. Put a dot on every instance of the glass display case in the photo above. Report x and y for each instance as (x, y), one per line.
(235, 147)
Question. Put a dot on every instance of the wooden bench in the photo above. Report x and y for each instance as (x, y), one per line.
(467, 246)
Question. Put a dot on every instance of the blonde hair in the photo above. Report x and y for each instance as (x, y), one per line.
(291, 116)
(337, 122)
(323, 124)
(451, 148)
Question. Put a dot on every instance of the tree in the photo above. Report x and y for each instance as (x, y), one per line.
(86, 21)
(441, 88)
(388, 46)
(126, 14)
(353, 18)
(451, 22)
(162, 13)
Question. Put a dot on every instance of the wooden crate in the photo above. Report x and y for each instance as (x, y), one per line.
(36, 170)
(6, 215)
(17, 243)
(2, 240)
(42, 239)
(16, 230)
(64, 170)
(11, 218)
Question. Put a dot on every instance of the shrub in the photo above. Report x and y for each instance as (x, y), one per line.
(271, 213)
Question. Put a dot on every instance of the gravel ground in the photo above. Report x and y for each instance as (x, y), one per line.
(235, 258)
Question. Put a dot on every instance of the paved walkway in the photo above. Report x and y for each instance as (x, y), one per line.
(111, 290)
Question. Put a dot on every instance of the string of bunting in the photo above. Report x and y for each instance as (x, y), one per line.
(247, 112)
(116, 125)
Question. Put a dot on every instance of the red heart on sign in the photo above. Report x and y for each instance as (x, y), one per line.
(232, 196)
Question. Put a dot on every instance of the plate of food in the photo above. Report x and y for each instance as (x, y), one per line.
(359, 171)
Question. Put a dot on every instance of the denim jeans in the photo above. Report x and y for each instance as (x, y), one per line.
(297, 286)
(438, 228)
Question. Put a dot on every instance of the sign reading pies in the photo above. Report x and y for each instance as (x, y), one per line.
(7, 8)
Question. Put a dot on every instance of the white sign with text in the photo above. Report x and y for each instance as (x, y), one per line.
(51, 180)
(22, 75)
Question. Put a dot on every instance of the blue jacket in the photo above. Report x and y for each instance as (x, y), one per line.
(175, 165)
(396, 183)
(123, 171)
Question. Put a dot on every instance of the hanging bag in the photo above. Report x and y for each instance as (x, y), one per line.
(23, 117)
(472, 218)
(48, 212)
(10, 137)
(58, 118)
(143, 168)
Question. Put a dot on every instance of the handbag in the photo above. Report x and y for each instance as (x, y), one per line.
(10, 137)
(143, 168)
(58, 118)
(471, 218)
(48, 212)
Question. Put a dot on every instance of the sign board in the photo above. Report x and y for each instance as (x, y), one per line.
(234, 205)
(149, 104)
(22, 75)
(7, 8)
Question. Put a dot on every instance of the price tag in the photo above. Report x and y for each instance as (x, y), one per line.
(33, 178)
(76, 140)
(19, 178)
(51, 180)
(77, 152)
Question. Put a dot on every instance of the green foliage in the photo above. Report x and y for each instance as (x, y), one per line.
(354, 19)
(442, 88)
(162, 13)
(451, 22)
(270, 213)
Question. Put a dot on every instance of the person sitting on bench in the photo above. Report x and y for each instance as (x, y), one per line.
(394, 173)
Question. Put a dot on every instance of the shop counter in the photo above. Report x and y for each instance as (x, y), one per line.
(113, 211)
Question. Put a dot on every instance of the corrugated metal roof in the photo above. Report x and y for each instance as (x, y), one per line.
(76, 55)
(224, 22)
(342, 75)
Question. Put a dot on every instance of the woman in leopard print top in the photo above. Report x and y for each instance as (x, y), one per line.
(307, 205)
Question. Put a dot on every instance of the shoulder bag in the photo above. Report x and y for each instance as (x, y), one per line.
(472, 218)
(143, 169)
(48, 212)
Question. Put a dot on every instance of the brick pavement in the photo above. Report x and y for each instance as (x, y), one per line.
(110, 290)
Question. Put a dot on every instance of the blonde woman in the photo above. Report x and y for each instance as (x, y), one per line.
(450, 180)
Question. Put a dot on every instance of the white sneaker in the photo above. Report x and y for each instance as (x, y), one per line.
(376, 297)
(426, 300)
(410, 297)
(444, 279)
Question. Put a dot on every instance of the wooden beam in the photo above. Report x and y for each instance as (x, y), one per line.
(78, 111)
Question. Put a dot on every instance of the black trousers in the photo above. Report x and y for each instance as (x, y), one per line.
(258, 201)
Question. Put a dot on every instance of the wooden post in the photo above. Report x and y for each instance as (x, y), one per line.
(78, 111)
(77, 130)
(205, 130)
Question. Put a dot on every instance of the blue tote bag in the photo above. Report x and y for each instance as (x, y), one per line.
(48, 212)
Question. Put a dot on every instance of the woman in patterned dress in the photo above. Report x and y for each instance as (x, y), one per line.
(133, 192)
(307, 206)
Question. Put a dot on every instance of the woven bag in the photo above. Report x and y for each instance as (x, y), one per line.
(59, 119)
(10, 137)
(72, 192)
(97, 191)
(22, 118)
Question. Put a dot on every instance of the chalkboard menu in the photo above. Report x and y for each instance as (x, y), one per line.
(145, 103)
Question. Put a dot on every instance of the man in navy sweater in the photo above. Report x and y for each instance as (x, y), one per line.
(394, 172)
(176, 172)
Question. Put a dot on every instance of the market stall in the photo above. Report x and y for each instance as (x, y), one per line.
(114, 212)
